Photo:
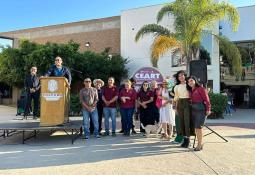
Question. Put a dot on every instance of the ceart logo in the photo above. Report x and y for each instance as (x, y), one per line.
(147, 74)
(52, 85)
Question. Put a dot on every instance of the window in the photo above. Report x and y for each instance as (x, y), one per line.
(5, 42)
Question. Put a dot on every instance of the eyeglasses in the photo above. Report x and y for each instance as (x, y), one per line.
(146, 84)
(57, 60)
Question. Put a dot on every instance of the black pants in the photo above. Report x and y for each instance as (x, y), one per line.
(155, 112)
(35, 97)
(184, 112)
(100, 116)
(147, 116)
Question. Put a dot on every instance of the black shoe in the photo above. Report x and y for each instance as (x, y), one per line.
(133, 131)
(187, 143)
(198, 148)
(121, 131)
(184, 142)
(106, 134)
(85, 137)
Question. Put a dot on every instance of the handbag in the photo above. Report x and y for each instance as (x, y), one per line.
(158, 100)
(158, 103)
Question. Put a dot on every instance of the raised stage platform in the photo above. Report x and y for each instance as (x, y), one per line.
(30, 129)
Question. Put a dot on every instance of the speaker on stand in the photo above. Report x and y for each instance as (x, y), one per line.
(198, 68)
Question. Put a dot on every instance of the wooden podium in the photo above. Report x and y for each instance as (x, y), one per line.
(54, 101)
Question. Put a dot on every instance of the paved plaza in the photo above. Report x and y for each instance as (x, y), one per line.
(54, 154)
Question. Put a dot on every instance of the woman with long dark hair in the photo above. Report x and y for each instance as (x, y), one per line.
(200, 107)
(145, 101)
(183, 107)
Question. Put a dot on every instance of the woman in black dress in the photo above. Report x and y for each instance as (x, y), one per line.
(145, 101)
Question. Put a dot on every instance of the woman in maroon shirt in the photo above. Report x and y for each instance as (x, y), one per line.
(145, 101)
(127, 105)
(201, 107)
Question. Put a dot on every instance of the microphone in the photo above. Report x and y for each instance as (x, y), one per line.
(77, 71)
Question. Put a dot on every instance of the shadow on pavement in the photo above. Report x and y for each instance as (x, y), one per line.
(56, 151)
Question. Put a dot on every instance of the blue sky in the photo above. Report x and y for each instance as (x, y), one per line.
(21, 14)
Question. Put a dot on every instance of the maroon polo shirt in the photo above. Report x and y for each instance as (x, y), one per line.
(110, 93)
(145, 96)
(128, 93)
(199, 94)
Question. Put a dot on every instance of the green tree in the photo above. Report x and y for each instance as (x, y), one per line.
(232, 55)
(15, 63)
(244, 55)
(205, 55)
(192, 17)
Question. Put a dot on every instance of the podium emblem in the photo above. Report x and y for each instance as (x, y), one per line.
(52, 85)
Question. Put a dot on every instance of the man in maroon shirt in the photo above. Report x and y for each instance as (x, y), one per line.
(110, 96)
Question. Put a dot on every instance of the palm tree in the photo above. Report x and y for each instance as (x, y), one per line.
(192, 17)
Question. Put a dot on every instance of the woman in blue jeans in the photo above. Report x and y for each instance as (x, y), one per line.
(127, 105)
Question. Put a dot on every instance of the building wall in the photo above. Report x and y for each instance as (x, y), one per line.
(100, 33)
(246, 30)
(139, 52)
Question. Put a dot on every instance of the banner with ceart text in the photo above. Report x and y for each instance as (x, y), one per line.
(147, 74)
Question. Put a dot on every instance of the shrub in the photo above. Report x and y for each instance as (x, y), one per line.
(75, 105)
(218, 104)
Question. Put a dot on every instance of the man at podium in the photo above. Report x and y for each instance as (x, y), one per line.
(57, 70)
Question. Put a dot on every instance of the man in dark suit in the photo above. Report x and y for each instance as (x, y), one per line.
(32, 85)
(57, 70)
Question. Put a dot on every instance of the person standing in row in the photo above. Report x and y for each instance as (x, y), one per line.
(89, 98)
(98, 84)
(166, 113)
(133, 82)
(32, 86)
(155, 89)
(200, 108)
(183, 106)
(145, 100)
(127, 106)
(110, 96)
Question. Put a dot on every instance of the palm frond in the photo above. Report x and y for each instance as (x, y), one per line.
(168, 8)
(161, 45)
(232, 54)
(152, 29)
(230, 13)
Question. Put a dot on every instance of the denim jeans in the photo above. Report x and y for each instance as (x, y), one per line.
(94, 117)
(110, 112)
(126, 114)
(228, 109)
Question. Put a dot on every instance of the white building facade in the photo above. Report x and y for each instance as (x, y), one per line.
(246, 30)
(139, 52)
